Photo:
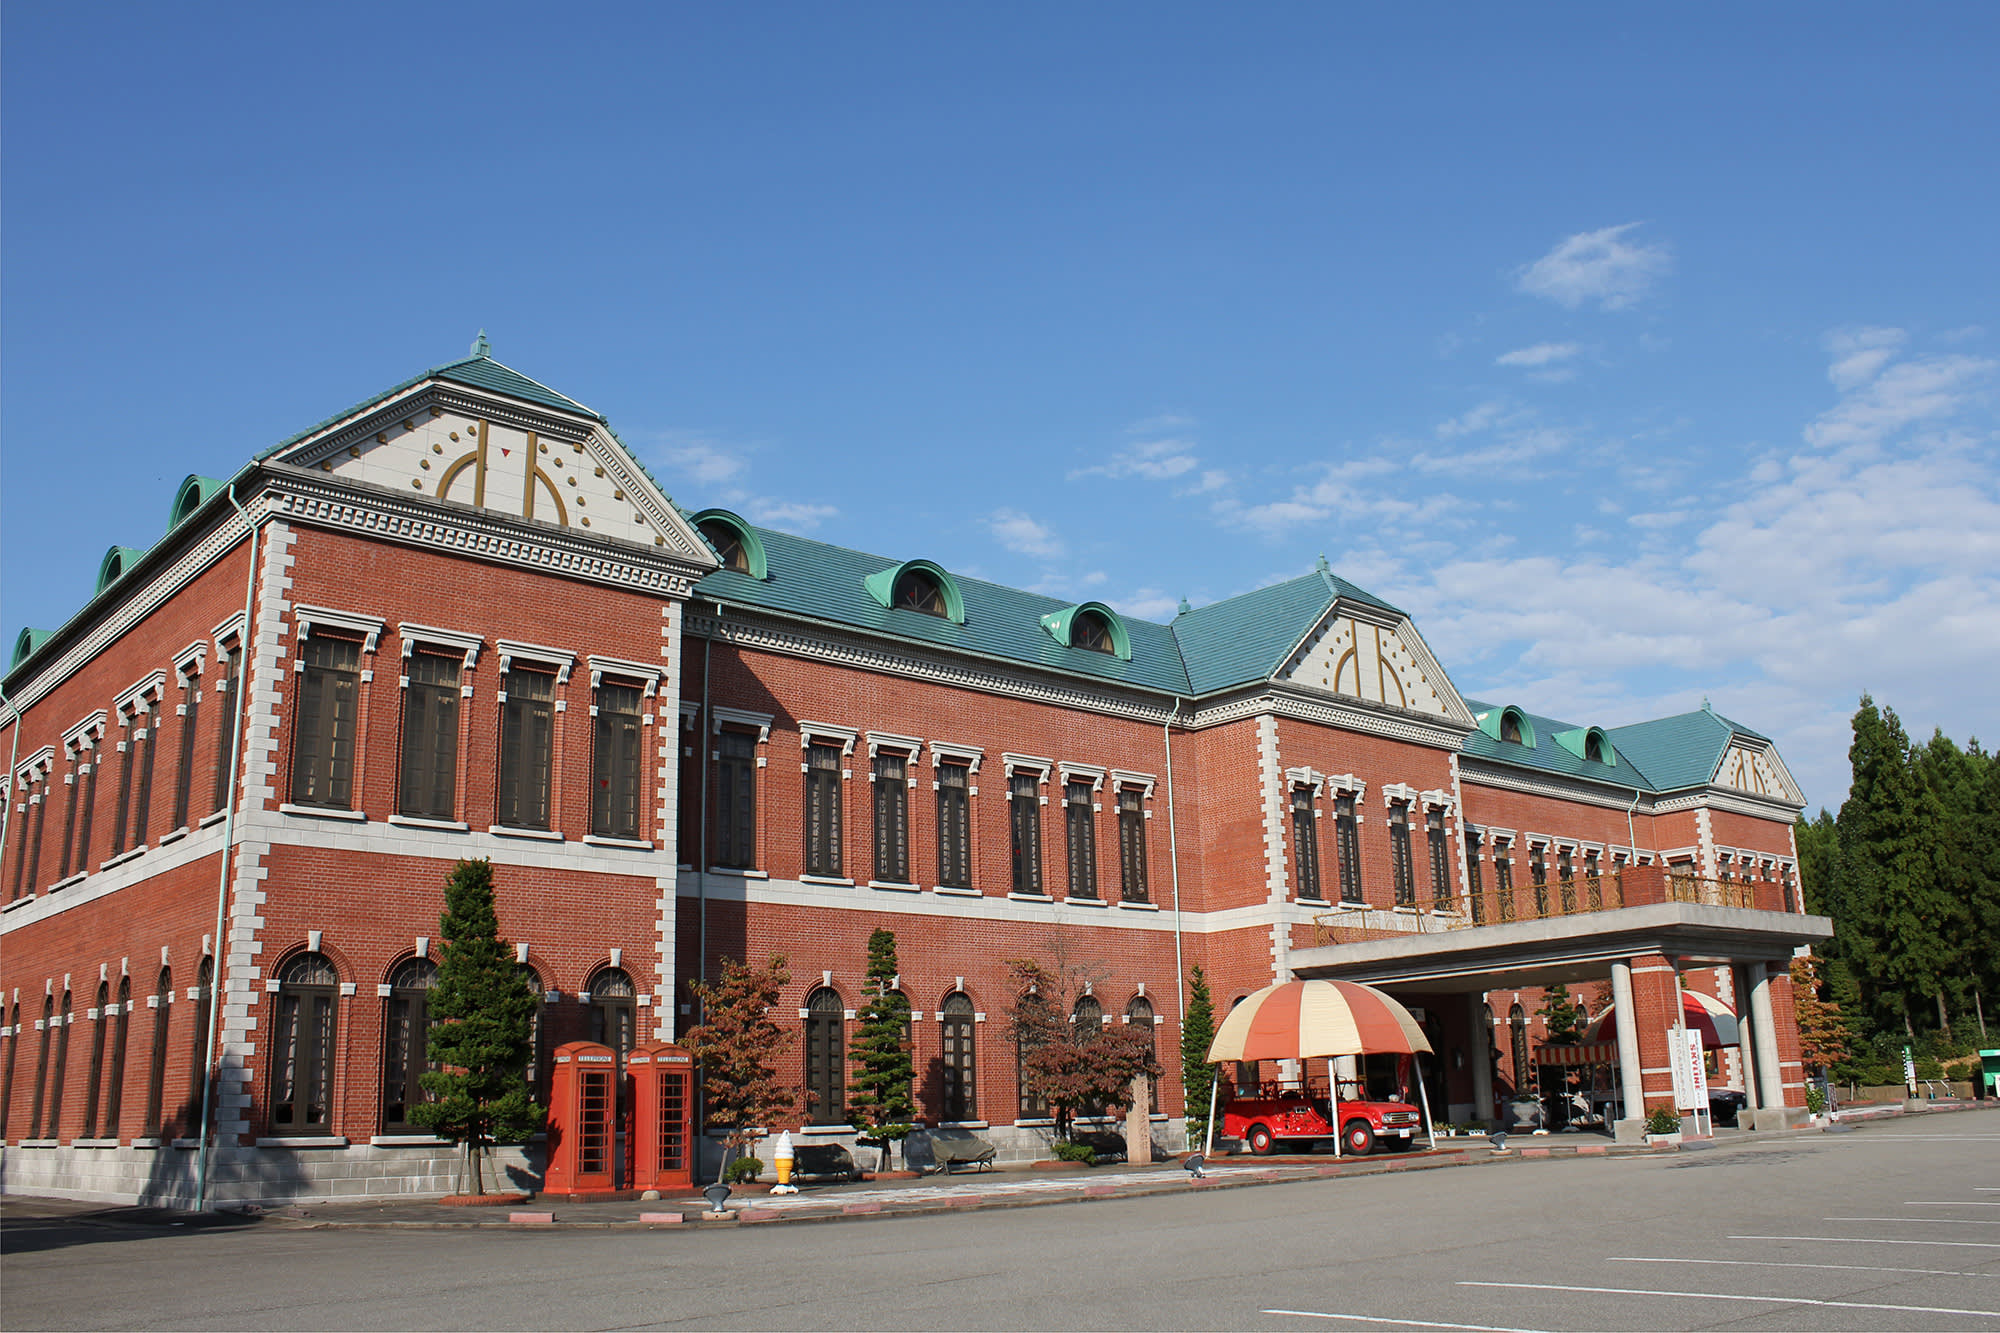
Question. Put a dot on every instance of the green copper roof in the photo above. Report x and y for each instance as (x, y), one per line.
(1247, 638)
(1665, 754)
(1679, 751)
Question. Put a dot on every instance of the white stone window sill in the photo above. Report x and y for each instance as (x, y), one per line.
(739, 873)
(175, 836)
(1139, 906)
(1085, 902)
(123, 857)
(148, 1143)
(303, 1141)
(188, 1145)
(837, 880)
(632, 844)
(505, 831)
(1031, 898)
(895, 886)
(19, 902)
(37, 1143)
(78, 878)
(956, 892)
(441, 825)
(1346, 906)
(406, 1141)
(826, 1129)
(323, 812)
(1314, 902)
(1035, 1124)
(93, 1143)
(215, 818)
(964, 1124)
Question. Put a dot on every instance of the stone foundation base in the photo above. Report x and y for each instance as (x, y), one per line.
(1778, 1117)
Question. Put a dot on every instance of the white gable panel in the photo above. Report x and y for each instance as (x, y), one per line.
(1378, 663)
(1756, 770)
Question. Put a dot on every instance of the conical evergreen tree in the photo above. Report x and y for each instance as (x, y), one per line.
(1197, 1074)
(1560, 1013)
(479, 1045)
(878, 1101)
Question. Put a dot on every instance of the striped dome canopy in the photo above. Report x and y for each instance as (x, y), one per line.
(1297, 1020)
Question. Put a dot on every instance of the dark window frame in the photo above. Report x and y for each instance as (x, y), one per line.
(1305, 844)
(1440, 863)
(7, 1078)
(406, 1029)
(527, 749)
(121, 814)
(920, 591)
(427, 776)
(892, 817)
(735, 833)
(46, 1033)
(1503, 876)
(1401, 858)
(1132, 881)
(959, 1100)
(1475, 879)
(1024, 828)
(190, 720)
(305, 1048)
(156, 1064)
(93, 1085)
(616, 762)
(73, 782)
(204, 979)
(823, 825)
(326, 722)
(113, 1103)
(1139, 1010)
(59, 1073)
(1080, 838)
(228, 685)
(954, 816)
(1347, 845)
(825, 1058)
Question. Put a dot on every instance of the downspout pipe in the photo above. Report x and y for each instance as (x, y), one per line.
(1174, 862)
(221, 944)
(701, 868)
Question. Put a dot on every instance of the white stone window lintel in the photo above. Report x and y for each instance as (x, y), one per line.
(368, 627)
(451, 640)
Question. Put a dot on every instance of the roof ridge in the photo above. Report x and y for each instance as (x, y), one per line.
(488, 356)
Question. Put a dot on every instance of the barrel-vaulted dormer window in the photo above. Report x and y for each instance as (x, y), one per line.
(919, 586)
(736, 543)
(1092, 626)
(1515, 727)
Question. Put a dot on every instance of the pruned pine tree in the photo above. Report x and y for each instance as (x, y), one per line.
(1197, 1035)
(879, 1102)
(1560, 1014)
(479, 1047)
(739, 1043)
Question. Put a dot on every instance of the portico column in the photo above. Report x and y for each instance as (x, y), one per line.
(1630, 1082)
(1770, 1078)
(1482, 1064)
(1746, 1039)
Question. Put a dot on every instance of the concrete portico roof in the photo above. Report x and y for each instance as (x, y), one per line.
(1566, 949)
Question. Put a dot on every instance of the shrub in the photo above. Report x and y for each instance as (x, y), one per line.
(743, 1170)
(1066, 1151)
(1815, 1098)
(1663, 1120)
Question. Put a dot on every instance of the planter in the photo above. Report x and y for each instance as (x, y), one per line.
(1664, 1140)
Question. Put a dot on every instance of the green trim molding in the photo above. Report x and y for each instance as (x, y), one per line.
(116, 561)
(1577, 742)
(194, 492)
(1061, 623)
(882, 583)
(753, 545)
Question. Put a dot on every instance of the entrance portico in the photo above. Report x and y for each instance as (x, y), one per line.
(1644, 949)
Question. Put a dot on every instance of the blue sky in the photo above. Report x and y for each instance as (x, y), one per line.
(1641, 358)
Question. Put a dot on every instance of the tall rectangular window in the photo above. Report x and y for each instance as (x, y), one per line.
(1132, 845)
(121, 814)
(1440, 866)
(1305, 844)
(1475, 888)
(430, 736)
(959, 1065)
(823, 810)
(146, 736)
(323, 735)
(74, 783)
(1503, 877)
(156, 1065)
(31, 810)
(1081, 828)
(954, 826)
(736, 800)
(1399, 854)
(527, 749)
(1538, 872)
(892, 819)
(87, 804)
(184, 773)
(1566, 879)
(1593, 882)
(614, 775)
(228, 685)
(1024, 820)
(1347, 846)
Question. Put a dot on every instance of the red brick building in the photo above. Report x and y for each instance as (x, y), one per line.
(460, 620)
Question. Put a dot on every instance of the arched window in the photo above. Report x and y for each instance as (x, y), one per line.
(198, 1058)
(1517, 1019)
(1510, 727)
(59, 1075)
(1035, 1013)
(13, 1050)
(728, 544)
(42, 1067)
(538, 1052)
(1091, 630)
(960, 1063)
(156, 1063)
(406, 1027)
(1139, 1014)
(302, 1047)
(1087, 1019)
(614, 1011)
(919, 590)
(113, 1103)
(1492, 1041)
(826, 1072)
(1593, 747)
(93, 1086)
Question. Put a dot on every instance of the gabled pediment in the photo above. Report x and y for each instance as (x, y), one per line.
(1375, 659)
(1754, 767)
(481, 434)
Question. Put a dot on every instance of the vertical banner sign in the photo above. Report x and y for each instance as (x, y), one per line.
(1690, 1074)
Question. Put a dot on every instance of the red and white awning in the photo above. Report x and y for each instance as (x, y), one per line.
(1297, 1020)
(1707, 1015)
(1581, 1053)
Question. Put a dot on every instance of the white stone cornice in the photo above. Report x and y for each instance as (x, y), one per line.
(600, 667)
(1339, 711)
(1305, 777)
(230, 628)
(1476, 772)
(82, 735)
(449, 639)
(1728, 798)
(556, 659)
(132, 696)
(37, 765)
(823, 732)
(878, 741)
(1122, 778)
(943, 752)
(368, 627)
(1071, 771)
(1030, 763)
(191, 660)
(741, 717)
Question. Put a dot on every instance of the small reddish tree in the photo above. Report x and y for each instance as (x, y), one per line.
(1824, 1038)
(738, 1043)
(1063, 1064)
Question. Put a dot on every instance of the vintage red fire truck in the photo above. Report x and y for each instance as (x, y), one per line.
(1277, 1118)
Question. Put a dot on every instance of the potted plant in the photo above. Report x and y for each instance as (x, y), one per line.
(1663, 1126)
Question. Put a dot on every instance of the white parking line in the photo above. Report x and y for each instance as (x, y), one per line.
(1400, 1323)
(1949, 1203)
(1779, 1263)
(1926, 1221)
(1727, 1296)
(1877, 1240)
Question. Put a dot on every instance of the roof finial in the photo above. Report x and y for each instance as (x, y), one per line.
(1704, 705)
(1322, 566)
(1185, 608)
(480, 347)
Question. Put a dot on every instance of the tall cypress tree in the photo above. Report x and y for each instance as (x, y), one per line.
(1197, 1074)
(878, 1101)
(479, 1044)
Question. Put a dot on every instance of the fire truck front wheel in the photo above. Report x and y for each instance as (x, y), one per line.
(1260, 1140)
(1358, 1138)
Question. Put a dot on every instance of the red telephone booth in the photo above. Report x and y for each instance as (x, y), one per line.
(583, 1109)
(662, 1116)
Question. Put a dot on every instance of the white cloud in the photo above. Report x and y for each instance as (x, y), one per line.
(701, 458)
(1018, 532)
(1885, 400)
(790, 514)
(1859, 353)
(1147, 604)
(1541, 354)
(1597, 267)
(1151, 460)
